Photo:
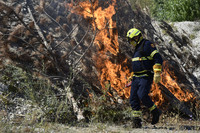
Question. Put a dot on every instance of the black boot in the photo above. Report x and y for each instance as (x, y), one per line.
(156, 114)
(137, 122)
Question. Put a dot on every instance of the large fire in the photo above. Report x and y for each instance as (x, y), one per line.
(169, 81)
(114, 71)
(107, 40)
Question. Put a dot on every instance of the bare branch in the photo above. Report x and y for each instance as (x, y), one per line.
(66, 36)
(92, 42)
(79, 42)
(71, 98)
(36, 26)
(55, 21)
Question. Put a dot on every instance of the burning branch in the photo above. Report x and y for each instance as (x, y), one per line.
(180, 106)
(107, 40)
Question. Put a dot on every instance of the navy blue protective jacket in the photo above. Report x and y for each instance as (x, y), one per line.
(145, 56)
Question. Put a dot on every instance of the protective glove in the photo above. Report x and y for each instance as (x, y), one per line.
(157, 68)
(157, 77)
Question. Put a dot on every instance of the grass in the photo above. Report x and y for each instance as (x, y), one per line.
(43, 98)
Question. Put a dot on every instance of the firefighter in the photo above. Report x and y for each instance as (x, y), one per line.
(146, 66)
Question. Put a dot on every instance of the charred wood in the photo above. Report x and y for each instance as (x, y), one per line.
(180, 106)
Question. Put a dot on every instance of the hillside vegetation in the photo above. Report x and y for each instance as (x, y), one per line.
(171, 10)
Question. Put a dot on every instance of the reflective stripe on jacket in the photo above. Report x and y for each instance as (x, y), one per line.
(144, 57)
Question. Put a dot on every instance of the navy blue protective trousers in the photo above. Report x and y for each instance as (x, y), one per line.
(140, 88)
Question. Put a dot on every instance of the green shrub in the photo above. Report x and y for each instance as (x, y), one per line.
(177, 10)
(171, 10)
(142, 3)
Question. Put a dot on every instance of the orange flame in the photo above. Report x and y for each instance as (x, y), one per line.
(116, 74)
(157, 95)
(102, 21)
(112, 71)
(107, 40)
(172, 85)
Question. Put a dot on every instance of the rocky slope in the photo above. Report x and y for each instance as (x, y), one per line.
(192, 30)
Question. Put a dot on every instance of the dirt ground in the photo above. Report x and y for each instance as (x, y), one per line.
(169, 125)
(191, 127)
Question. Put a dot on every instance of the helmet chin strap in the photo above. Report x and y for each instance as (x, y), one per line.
(139, 39)
(134, 43)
